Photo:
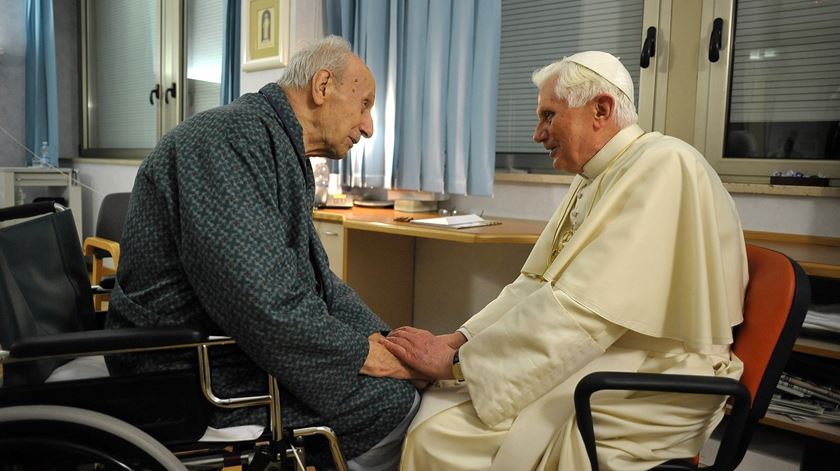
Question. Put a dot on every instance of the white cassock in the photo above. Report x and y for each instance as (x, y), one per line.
(650, 277)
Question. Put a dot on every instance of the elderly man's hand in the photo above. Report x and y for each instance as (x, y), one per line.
(428, 354)
(382, 363)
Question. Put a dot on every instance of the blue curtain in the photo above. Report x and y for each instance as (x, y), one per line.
(436, 67)
(231, 55)
(41, 87)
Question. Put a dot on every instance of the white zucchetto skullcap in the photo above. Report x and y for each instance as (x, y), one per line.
(607, 66)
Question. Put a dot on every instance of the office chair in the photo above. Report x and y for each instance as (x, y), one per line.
(106, 241)
(775, 305)
(127, 422)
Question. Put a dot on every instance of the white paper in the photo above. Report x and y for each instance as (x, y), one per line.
(456, 222)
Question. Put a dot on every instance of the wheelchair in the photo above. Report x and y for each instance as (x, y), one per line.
(148, 421)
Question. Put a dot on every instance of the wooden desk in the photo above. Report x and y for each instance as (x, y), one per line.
(510, 231)
(383, 261)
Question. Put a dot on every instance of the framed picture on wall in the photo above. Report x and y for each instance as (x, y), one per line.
(266, 34)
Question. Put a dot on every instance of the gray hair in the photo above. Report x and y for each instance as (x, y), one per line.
(329, 53)
(578, 85)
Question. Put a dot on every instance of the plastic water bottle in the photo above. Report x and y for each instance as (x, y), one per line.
(20, 197)
(44, 155)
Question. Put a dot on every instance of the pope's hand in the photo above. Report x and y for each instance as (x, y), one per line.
(430, 355)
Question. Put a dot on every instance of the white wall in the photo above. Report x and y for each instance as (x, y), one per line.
(307, 23)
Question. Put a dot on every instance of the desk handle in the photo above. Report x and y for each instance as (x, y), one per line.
(329, 233)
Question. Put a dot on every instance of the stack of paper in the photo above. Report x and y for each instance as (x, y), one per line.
(463, 221)
(802, 400)
(823, 319)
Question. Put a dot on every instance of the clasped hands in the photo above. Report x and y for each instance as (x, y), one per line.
(413, 354)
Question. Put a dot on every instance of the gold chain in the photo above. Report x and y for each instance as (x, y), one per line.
(559, 241)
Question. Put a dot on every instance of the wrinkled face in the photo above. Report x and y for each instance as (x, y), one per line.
(565, 132)
(346, 115)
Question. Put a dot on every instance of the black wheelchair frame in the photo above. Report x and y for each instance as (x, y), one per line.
(65, 415)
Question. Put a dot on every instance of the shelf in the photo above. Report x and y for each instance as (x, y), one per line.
(816, 347)
(827, 432)
(817, 255)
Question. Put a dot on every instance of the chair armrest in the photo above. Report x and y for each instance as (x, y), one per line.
(92, 243)
(94, 342)
(689, 384)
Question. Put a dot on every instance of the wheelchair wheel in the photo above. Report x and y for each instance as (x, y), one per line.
(42, 437)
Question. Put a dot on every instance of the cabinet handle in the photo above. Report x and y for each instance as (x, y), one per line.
(715, 41)
(156, 93)
(329, 233)
(648, 48)
(173, 90)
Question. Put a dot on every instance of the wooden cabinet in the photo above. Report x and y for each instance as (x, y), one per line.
(36, 181)
(332, 238)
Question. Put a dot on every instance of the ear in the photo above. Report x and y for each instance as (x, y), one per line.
(321, 83)
(604, 107)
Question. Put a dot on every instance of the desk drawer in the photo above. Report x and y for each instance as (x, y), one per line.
(332, 238)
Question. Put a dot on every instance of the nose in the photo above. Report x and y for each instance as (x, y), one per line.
(366, 127)
(539, 133)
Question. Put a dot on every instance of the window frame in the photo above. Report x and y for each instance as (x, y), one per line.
(171, 23)
(653, 89)
(714, 81)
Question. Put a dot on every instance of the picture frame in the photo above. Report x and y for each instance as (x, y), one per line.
(266, 40)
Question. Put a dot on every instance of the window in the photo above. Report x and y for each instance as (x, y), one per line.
(139, 57)
(773, 99)
(204, 43)
(535, 34)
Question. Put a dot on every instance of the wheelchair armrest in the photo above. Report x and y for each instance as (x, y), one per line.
(689, 384)
(103, 341)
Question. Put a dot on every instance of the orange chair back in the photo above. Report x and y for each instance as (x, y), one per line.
(775, 305)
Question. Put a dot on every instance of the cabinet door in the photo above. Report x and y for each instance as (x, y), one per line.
(332, 238)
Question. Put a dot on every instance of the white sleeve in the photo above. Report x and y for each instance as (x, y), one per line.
(534, 347)
(510, 295)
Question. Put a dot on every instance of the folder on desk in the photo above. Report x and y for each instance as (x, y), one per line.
(463, 221)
